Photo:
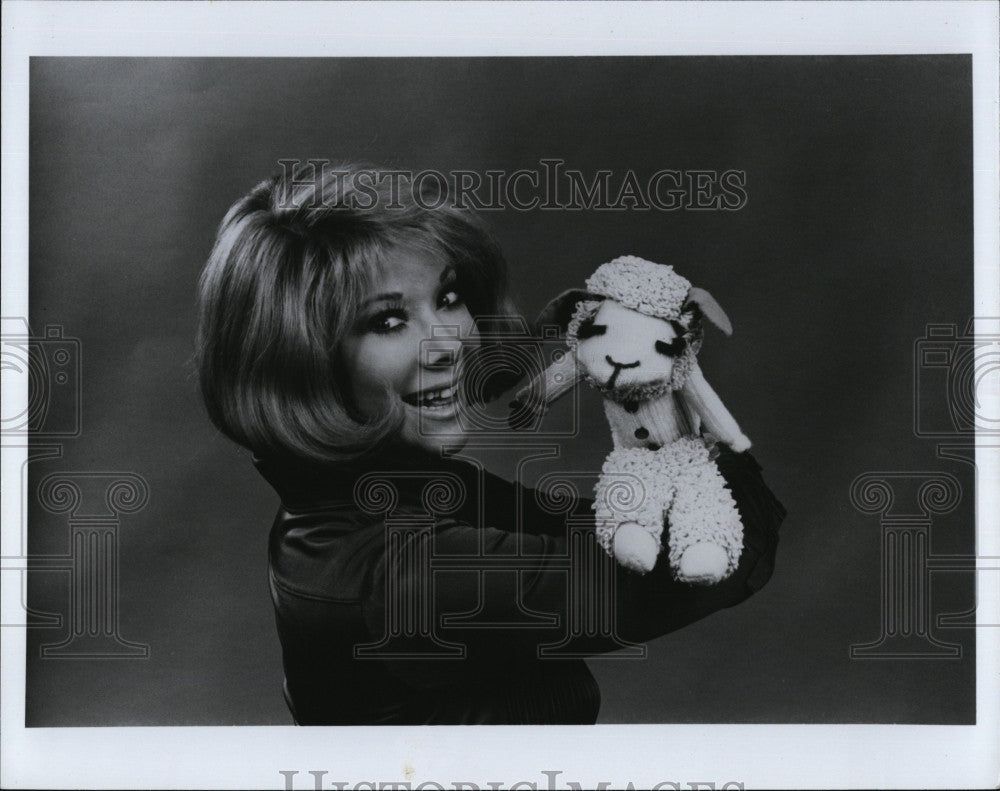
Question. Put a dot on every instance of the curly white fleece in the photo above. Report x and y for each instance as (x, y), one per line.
(585, 309)
(653, 289)
(678, 482)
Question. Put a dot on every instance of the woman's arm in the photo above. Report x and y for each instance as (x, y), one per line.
(502, 595)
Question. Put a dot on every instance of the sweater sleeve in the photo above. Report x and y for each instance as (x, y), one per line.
(494, 597)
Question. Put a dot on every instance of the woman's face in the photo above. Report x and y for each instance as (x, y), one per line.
(411, 331)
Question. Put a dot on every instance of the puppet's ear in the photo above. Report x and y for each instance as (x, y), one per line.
(560, 310)
(710, 309)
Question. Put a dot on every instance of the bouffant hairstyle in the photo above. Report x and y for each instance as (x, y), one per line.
(292, 263)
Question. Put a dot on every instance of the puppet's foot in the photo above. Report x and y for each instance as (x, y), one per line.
(635, 547)
(703, 564)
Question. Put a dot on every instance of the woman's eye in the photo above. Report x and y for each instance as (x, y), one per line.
(387, 321)
(450, 299)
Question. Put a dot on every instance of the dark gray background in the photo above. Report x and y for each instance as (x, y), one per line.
(857, 233)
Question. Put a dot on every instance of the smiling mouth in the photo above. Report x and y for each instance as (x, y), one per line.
(440, 398)
(618, 369)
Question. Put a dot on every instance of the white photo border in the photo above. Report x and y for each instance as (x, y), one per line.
(772, 756)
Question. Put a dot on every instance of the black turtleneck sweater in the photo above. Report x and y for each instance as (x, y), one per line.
(418, 590)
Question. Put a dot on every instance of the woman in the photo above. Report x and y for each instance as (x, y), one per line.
(337, 318)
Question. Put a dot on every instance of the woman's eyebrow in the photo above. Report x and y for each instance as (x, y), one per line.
(394, 296)
(447, 273)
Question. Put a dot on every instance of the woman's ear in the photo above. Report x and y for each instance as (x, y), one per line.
(560, 310)
(710, 309)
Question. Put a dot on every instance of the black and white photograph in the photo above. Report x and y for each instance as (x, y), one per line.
(591, 393)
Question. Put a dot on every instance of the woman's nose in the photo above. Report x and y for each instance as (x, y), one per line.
(442, 348)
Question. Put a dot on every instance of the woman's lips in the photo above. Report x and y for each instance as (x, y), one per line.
(438, 403)
(431, 395)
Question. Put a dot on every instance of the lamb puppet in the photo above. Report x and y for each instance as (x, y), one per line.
(633, 334)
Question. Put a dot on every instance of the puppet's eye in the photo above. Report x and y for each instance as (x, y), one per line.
(677, 345)
(672, 349)
(588, 329)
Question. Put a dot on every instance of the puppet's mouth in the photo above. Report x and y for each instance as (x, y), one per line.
(619, 367)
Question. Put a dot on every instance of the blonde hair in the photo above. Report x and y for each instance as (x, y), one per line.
(292, 263)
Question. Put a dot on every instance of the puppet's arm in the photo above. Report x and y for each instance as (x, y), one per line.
(716, 418)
